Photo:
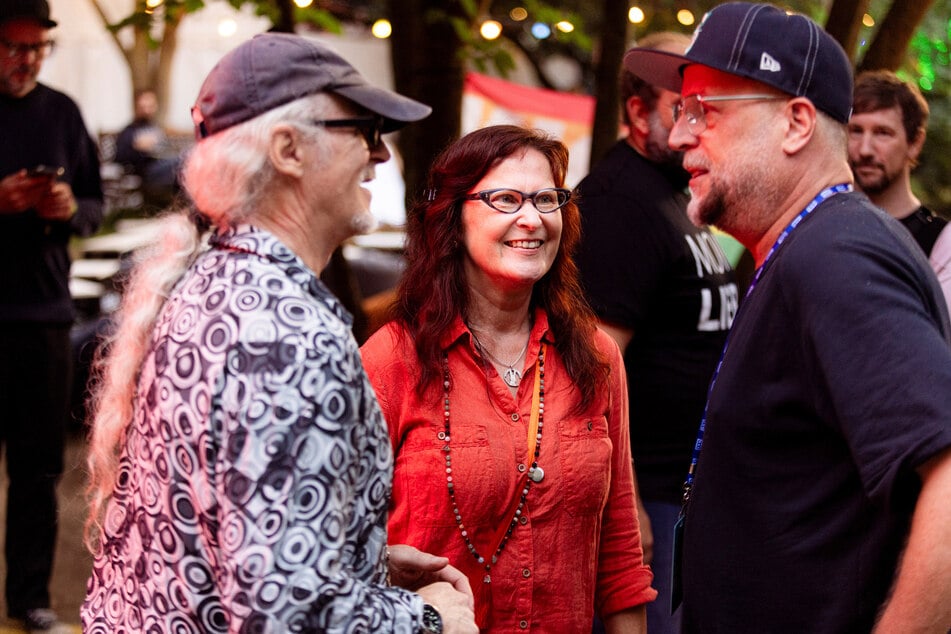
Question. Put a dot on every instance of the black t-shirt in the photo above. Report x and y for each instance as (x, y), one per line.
(834, 388)
(44, 127)
(646, 267)
(925, 227)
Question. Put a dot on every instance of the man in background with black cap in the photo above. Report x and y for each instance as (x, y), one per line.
(240, 466)
(49, 191)
(818, 493)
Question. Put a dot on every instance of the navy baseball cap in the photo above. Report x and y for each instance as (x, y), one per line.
(38, 10)
(273, 69)
(762, 42)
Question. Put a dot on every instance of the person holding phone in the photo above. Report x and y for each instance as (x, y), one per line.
(49, 191)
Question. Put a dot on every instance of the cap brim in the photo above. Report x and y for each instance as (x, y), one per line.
(395, 109)
(658, 68)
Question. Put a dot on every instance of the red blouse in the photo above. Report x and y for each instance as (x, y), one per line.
(577, 545)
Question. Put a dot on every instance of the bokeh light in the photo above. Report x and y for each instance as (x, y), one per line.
(491, 29)
(541, 31)
(635, 15)
(382, 29)
(227, 28)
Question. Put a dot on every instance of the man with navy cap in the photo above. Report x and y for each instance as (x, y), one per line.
(240, 467)
(49, 191)
(817, 495)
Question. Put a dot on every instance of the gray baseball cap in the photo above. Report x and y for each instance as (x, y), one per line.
(273, 69)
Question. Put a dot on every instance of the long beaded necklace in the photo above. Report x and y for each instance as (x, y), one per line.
(534, 474)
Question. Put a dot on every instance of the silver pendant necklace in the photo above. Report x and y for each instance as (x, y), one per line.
(511, 376)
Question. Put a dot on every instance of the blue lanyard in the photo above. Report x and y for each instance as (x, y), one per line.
(820, 198)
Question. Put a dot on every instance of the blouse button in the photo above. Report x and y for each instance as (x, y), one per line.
(523, 624)
(521, 468)
(514, 417)
(590, 425)
(526, 573)
(523, 520)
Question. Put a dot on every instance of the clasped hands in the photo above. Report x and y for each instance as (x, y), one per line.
(443, 586)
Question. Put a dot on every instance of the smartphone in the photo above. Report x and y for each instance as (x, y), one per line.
(45, 170)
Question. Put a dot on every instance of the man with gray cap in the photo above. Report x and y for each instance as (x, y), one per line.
(240, 466)
(49, 192)
(817, 493)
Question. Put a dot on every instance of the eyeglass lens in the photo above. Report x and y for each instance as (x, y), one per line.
(511, 200)
(16, 49)
(691, 108)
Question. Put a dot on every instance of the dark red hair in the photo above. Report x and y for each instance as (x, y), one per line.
(433, 289)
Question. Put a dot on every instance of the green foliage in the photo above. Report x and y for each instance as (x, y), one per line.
(929, 65)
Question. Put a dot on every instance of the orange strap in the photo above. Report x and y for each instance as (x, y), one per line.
(532, 443)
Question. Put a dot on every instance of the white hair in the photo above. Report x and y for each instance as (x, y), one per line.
(226, 175)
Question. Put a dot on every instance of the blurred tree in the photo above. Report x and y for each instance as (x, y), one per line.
(428, 66)
(154, 27)
(434, 41)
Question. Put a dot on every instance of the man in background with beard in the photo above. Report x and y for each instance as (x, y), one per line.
(886, 134)
(666, 292)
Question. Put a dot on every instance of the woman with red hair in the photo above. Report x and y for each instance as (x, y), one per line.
(507, 407)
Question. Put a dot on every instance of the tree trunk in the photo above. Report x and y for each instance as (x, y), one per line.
(285, 20)
(614, 37)
(427, 66)
(889, 48)
(845, 21)
(160, 71)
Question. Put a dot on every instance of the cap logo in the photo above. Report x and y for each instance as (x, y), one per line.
(767, 62)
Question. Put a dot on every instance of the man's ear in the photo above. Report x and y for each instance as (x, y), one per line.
(801, 122)
(285, 150)
(914, 148)
(637, 114)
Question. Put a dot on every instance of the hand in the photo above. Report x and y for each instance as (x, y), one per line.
(58, 203)
(411, 568)
(455, 608)
(19, 192)
(647, 533)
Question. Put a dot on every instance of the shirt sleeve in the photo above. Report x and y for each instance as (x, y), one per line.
(941, 262)
(86, 183)
(871, 329)
(623, 577)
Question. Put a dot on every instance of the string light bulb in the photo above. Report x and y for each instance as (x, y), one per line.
(491, 29)
(381, 29)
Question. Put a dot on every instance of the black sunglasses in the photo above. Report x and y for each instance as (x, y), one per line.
(371, 127)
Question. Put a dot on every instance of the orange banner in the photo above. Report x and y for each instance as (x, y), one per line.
(489, 101)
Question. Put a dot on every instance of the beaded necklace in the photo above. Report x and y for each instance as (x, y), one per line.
(534, 474)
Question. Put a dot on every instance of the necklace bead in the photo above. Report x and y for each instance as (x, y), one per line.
(535, 473)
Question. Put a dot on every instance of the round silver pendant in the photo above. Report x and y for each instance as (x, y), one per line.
(512, 377)
(537, 474)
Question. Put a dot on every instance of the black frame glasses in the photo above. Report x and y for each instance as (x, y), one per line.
(495, 197)
(695, 114)
(371, 127)
(18, 49)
